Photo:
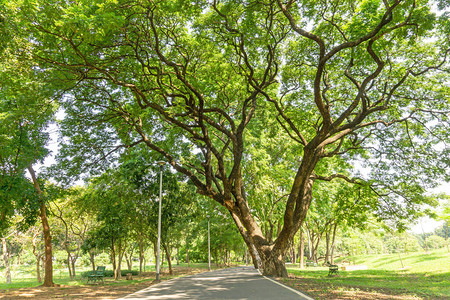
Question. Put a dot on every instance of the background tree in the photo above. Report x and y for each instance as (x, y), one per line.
(71, 222)
(445, 216)
(25, 111)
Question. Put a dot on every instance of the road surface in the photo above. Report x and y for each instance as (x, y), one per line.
(232, 283)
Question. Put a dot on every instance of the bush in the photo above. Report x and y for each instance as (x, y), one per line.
(102, 259)
(435, 242)
(110, 273)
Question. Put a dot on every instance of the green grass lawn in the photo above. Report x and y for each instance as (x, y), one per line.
(424, 275)
(25, 276)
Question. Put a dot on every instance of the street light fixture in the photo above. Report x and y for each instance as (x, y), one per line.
(158, 249)
(209, 247)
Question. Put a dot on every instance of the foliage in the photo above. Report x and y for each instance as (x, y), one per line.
(435, 242)
(110, 273)
(362, 82)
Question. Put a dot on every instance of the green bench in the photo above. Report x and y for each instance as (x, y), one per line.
(311, 263)
(96, 275)
(333, 270)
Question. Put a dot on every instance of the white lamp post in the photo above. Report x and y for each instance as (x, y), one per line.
(209, 247)
(161, 164)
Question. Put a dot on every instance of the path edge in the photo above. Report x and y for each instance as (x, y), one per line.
(287, 287)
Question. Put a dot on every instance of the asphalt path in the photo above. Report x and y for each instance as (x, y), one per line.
(232, 283)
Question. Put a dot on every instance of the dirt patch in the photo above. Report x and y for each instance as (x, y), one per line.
(323, 290)
(109, 290)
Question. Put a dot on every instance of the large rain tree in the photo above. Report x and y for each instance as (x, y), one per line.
(365, 81)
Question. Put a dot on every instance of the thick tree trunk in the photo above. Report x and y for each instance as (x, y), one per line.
(270, 257)
(6, 260)
(273, 265)
(48, 279)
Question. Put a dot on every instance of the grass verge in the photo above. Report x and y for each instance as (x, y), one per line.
(426, 276)
(79, 289)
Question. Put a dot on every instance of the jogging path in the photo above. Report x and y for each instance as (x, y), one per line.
(232, 283)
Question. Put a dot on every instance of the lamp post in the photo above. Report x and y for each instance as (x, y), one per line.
(158, 249)
(209, 247)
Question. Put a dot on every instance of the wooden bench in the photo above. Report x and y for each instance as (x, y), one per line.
(333, 270)
(97, 275)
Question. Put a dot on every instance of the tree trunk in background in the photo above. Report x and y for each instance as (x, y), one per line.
(446, 231)
(38, 258)
(294, 253)
(328, 245)
(69, 266)
(129, 258)
(169, 261)
(129, 262)
(72, 262)
(38, 268)
(154, 252)
(302, 250)
(113, 259)
(333, 243)
(141, 255)
(315, 247)
(309, 242)
(178, 256)
(187, 256)
(121, 251)
(48, 279)
(92, 259)
(6, 259)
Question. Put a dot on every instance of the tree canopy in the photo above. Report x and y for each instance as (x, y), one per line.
(205, 85)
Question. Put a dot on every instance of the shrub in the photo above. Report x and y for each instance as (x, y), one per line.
(435, 242)
(110, 273)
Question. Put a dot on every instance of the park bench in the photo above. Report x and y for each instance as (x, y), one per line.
(96, 275)
(333, 270)
(311, 264)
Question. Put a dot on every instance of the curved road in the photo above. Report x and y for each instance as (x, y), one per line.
(232, 283)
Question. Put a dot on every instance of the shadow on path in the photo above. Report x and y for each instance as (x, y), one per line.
(232, 283)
